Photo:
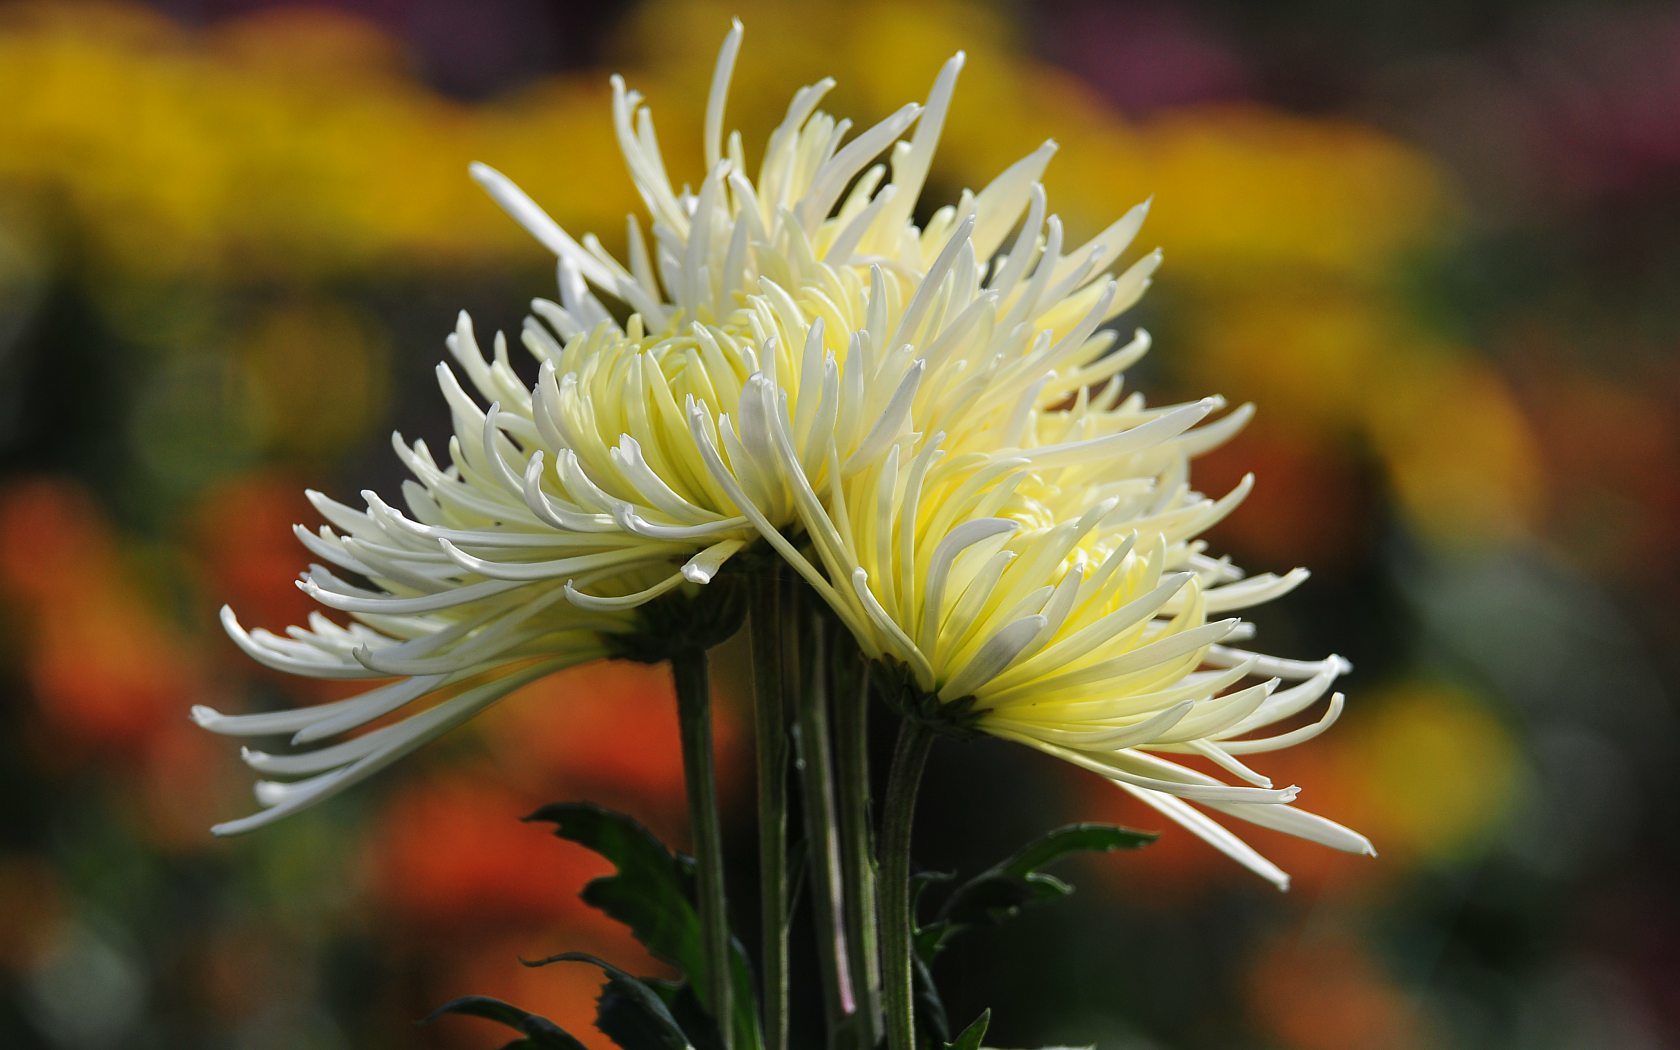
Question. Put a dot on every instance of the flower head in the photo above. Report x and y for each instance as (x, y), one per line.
(930, 423)
(808, 278)
(1060, 597)
(566, 506)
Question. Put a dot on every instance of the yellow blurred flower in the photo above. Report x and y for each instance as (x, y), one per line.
(272, 142)
(1461, 457)
(266, 148)
(287, 355)
(1473, 762)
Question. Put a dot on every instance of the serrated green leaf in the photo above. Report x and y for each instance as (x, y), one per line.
(629, 1012)
(971, 1036)
(652, 892)
(540, 1032)
(652, 889)
(1001, 891)
(622, 1015)
(990, 900)
(1074, 838)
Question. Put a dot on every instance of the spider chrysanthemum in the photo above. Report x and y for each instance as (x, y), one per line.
(930, 423)
(567, 505)
(1065, 602)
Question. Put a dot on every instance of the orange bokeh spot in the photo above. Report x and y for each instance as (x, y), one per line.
(242, 529)
(1328, 994)
(608, 730)
(1308, 506)
(106, 672)
(453, 851)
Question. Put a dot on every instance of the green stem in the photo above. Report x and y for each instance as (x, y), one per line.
(898, 810)
(772, 805)
(857, 849)
(816, 776)
(694, 718)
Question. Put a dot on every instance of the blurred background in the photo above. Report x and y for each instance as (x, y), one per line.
(1438, 243)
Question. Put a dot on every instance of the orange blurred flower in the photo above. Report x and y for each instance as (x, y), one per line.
(105, 671)
(452, 851)
(242, 533)
(1327, 993)
(109, 676)
(608, 731)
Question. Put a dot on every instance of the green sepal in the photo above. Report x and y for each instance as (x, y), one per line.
(678, 622)
(896, 684)
(540, 1033)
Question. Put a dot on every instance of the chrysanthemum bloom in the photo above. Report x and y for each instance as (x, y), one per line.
(849, 335)
(567, 506)
(1059, 597)
(809, 278)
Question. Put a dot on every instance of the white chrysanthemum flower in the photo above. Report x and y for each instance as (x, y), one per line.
(638, 463)
(809, 277)
(1060, 598)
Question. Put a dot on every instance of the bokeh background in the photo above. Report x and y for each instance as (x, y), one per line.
(1438, 243)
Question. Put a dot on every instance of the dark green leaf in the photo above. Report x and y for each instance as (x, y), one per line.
(990, 899)
(622, 1015)
(921, 881)
(540, 1032)
(652, 892)
(629, 1012)
(1073, 838)
(745, 1022)
(971, 1036)
(931, 1018)
(1001, 891)
(691, 1014)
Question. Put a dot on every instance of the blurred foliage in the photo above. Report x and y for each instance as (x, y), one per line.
(1436, 245)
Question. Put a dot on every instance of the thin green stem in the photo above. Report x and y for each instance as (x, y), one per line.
(816, 777)
(694, 718)
(898, 811)
(857, 848)
(771, 723)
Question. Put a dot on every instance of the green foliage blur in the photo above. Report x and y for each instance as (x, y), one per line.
(1439, 245)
